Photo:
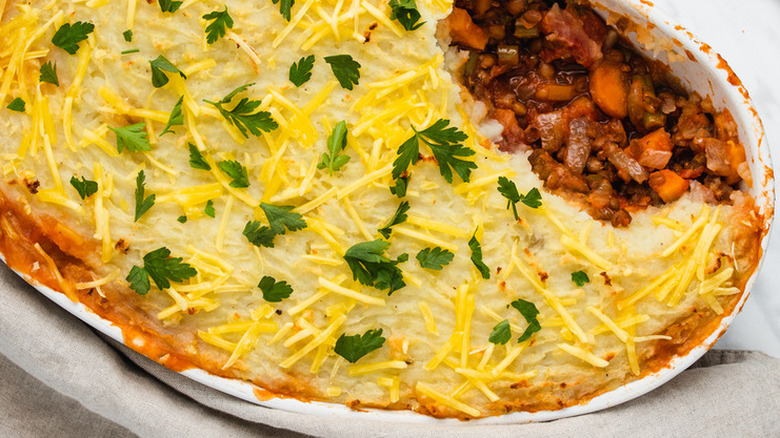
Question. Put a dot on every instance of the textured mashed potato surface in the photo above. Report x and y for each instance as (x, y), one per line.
(643, 302)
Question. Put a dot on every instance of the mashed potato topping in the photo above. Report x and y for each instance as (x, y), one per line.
(187, 180)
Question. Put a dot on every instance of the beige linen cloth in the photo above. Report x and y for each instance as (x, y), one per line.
(59, 378)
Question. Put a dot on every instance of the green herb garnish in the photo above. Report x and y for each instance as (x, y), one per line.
(274, 291)
(334, 160)
(84, 187)
(300, 72)
(352, 348)
(398, 218)
(370, 267)
(162, 268)
(217, 28)
(446, 144)
(346, 70)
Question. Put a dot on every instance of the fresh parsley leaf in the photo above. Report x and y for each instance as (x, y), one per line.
(285, 7)
(280, 218)
(501, 333)
(259, 235)
(508, 189)
(196, 159)
(370, 267)
(142, 204)
(169, 5)
(532, 199)
(68, 36)
(580, 278)
(235, 170)
(162, 268)
(352, 348)
(16, 105)
(446, 144)
(139, 280)
(300, 72)
(175, 119)
(434, 258)
(132, 137)
(529, 312)
(128, 35)
(398, 218)
(49, 74)
(333, 160)
(401, 184)
(476, 257)
(85, 187)
(346, 70)
(274, 291)
(209, 209)
(242, 117)
(161, 65)
(182, 219)
(405, 11)
(217, 28)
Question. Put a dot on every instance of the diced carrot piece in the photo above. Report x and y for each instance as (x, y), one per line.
(464, 31)
(609, 89)
(658, 140)
(669, 185)
(736, 155)
(653, 150)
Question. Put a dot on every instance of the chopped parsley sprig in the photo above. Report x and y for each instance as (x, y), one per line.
(405, 11)
(434, 258)
(370, 266)
(446, 144)
(501, 333)
(175, 119)
(352, 348)
(209, 209)
(281, 219)
(161, 65)
(285, 8)
(243, 115)
(398, 218)
(476, 256)
(142, 203)
(334, 160)
(217, 28)
(580, 278)
(400, 186)
(346, 70)
(300, 72)
(508, 190)
(236, 171)
(169, 5)
(133, 138)
(84, 187)
(197, 161)
(530, 313)
(274, 291)
(68, 36)
(162, 268)
(49, 74)
(17, 105)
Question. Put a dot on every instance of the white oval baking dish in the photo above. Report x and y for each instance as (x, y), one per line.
(700, 70)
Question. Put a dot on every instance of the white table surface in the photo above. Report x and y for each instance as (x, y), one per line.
(747, 35)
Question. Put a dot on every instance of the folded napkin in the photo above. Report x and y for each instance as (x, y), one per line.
(58, 377)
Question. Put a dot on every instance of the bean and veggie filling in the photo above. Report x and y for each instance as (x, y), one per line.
(605, 126)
